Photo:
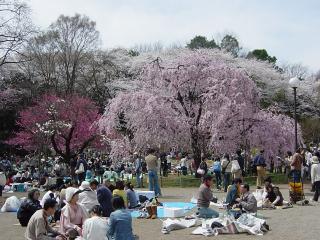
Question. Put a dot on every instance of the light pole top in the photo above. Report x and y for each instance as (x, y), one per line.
(294, 82)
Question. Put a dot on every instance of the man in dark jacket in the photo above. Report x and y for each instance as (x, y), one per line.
(104, 196)
(81, 163)
(240, 161)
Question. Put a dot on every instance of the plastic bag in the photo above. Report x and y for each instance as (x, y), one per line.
(12, 204)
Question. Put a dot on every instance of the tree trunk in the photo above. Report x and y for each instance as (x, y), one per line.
(196, 150)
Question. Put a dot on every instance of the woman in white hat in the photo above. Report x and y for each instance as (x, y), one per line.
(73, 214)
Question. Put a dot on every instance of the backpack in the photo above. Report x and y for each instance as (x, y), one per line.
(217, 166)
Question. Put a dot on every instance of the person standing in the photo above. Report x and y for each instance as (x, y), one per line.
(217, 172)
(287, 163)
(296, 165)
(240, 159)
(260, 164)
(81, 168)
(138, 169)
(226, 171)
(315, 177)
(204, 197)
(152, 167)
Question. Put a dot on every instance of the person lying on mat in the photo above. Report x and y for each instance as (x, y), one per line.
(204, 197)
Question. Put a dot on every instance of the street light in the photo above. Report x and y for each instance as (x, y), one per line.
(294, 83)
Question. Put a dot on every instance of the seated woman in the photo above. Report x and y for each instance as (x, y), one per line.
(120, 221)
(279, 201)
(94, 228)
(29, 207)
(131, 196)
(119, 191)
(73, 214)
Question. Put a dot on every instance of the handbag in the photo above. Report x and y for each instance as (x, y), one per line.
(235, 166)
(80, 169)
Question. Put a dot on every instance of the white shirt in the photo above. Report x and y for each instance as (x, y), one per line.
(88, 199)
(95, 228)
(183, 162)
(315, 172)
(46, 196)
(308, 156)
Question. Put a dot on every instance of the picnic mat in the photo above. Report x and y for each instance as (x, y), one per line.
(187, 206)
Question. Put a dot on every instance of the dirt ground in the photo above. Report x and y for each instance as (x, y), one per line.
(300, 222)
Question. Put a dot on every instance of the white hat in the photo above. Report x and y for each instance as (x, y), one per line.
(84, 185)
(70, 192)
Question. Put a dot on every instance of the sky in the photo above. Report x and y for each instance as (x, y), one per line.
(287, 29)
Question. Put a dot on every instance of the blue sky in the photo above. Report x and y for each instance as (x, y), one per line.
(288, 29)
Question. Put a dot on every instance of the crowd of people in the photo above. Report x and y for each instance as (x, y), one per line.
(80, 211)
(81, 197)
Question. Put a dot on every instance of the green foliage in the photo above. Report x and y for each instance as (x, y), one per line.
(201, 42)
(311, 129)
(262, 54)
(265, 103)
(133, 53)
(230, 44)
(279, 96)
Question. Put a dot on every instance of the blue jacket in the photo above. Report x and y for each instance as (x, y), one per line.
(120, 225)
(104, 196)
(232, 195)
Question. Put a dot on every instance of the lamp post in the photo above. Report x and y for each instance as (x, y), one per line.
(294, 83)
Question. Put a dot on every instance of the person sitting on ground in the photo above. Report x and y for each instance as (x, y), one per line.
(233, 192)
(204, 197)
(104, 196)
(73, 214)
(247, 203)
(131, 196)
(119, 191)
(279, 201)
(51, 193)
(267, 183)
(120, 221)
(94, 228)
(38, 227)
(88, 196)
(28, 207)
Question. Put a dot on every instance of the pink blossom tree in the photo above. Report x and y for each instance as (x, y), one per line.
(67, 125)
(180, 101)
(196, 101)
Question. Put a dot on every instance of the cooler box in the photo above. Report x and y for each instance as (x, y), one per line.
(173, 212)
(20, 188)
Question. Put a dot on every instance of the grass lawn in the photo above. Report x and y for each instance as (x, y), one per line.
(190, 181)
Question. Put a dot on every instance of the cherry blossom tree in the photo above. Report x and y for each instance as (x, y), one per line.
(194, 100)
(67, 125)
